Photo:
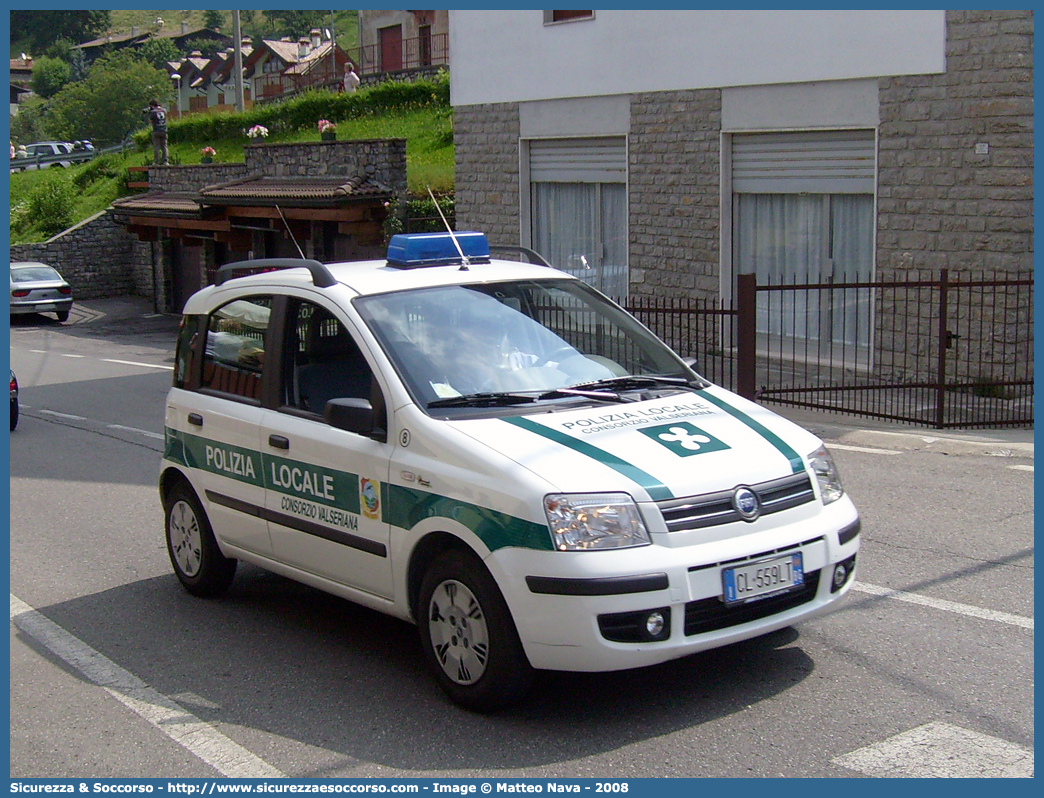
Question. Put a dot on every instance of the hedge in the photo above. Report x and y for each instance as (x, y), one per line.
(302, 111)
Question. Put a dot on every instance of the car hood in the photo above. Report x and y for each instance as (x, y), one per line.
(680, 445)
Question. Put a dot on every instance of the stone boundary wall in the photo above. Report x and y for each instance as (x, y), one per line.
(942, 202)
(98, 257)
(486, 154)
(191, 178)
(674, 193)
(382, 160)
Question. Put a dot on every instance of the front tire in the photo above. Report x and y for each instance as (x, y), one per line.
(198, 562)
(469, 639)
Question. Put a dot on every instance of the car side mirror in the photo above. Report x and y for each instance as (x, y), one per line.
(691, 362)
(354, 415)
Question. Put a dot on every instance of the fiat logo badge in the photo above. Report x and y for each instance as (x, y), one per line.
(745, 501)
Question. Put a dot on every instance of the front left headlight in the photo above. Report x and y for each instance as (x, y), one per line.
(826, 475)
(591, 521)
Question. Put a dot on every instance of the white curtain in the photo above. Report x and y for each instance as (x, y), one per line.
(581, 229)
(797, 238)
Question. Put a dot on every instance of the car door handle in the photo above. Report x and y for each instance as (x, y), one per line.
(278, 442)
(195, 419)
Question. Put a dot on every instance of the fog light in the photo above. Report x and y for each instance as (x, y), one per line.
(840, 574)
(654, 623)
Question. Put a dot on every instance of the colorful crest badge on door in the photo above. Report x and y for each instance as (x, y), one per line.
(685, 439)
(370, 498)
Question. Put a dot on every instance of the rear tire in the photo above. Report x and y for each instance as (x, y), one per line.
(14, 415)
(198, 562)
(468, 636)
(63, 316)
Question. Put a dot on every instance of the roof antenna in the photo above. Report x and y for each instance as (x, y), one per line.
(291, 232)
(464, 262)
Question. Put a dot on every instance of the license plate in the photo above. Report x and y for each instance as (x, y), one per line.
(756, 579)
(48, 306)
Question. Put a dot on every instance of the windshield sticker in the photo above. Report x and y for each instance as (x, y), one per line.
(685, 439)
(637, 418)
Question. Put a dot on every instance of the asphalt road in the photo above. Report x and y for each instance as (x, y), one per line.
(117, 672)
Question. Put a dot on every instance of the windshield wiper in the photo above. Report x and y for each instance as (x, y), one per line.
(483, 400)
(584, 393)
(636, 382)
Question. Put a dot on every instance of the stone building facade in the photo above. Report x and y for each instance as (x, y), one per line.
(954, 172)
(930, 167)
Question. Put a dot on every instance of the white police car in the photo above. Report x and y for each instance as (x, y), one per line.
(495, 451)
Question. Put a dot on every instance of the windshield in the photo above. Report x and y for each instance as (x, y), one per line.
(520, 338)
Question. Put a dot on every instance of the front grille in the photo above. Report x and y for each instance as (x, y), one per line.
(711, 614)
(712, 509)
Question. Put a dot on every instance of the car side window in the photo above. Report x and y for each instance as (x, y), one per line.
(322, 360)
(186, 354)
(234, 356)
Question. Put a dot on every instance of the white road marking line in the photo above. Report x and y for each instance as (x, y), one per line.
(220, 752)
(847, 448)
(145, 432)
(941, 750)
(1021, 468)
(67, 416)
(943, 604)
(80, 356)
(135, 363)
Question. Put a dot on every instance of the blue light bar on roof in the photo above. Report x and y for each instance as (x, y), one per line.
(413, 250)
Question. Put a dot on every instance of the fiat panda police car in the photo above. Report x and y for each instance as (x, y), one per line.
(492, 450)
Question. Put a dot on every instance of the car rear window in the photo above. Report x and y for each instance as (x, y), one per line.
(30, 274)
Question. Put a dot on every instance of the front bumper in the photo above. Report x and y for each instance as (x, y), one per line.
(578, 611)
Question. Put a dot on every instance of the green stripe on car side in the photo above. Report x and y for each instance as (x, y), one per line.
(797, 462)
(656, 489)
(230, 461)
(313, 483)
(400, 507)
(406, 507)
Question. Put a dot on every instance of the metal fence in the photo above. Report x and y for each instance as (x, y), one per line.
(415, 53)
(934, 349)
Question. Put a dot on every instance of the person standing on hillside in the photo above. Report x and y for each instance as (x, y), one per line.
(158, 120)
(351, 80)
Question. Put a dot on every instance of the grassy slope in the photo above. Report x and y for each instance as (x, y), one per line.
(429, 158)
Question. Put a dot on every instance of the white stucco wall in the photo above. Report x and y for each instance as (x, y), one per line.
(512, 56)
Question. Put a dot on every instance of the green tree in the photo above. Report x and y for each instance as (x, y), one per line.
(78, 64)
(207, 47)
(61, 49)
(40, 29)
(27, 125)
(213, 19)
(108, 104)
(158, 52)
(298, 23)
(49, 76)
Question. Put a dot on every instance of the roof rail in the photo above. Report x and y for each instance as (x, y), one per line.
(534, 256)
(321, 276)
